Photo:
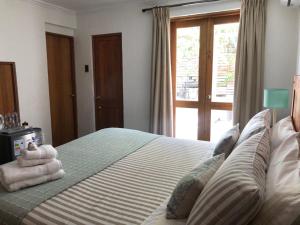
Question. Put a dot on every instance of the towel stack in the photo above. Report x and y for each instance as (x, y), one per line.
(31, 168)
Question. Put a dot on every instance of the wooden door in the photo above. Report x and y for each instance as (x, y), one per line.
(203, 50)
(62, 91)
(8, 88)
(108, 80)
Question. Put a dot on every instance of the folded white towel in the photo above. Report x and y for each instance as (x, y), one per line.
(12, 173)
(35, 181)
(42, 152)
(31, 162)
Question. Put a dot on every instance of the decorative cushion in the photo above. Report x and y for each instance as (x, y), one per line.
(284, 142)
(256, 124)
(235, 194)
(281, 130)
(227, 141)
(282, 175)
(284, 161)
(288, 150)
(190, 186)
(282, 208)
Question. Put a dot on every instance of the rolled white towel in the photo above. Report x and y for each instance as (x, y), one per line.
(42, 152)
(12, 173)
(31, 162)
(34, 181)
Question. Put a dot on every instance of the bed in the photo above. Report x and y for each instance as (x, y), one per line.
(138, 171)
(114, 176)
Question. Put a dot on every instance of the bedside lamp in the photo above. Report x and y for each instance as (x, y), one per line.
(276, 99)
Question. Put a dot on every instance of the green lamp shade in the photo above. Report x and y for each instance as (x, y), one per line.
(276, 98)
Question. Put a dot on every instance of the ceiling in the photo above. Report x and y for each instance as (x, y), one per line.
(82, 5)
(79, 5)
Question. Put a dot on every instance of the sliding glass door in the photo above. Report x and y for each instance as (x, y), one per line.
(203, 63)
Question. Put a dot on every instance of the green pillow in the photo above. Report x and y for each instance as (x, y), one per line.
(190, 186)
(227, 141)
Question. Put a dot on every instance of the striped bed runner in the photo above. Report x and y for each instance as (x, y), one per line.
(128, 191)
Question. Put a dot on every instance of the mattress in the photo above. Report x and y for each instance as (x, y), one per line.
(128, 191)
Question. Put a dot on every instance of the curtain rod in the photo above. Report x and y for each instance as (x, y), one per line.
(180, 4)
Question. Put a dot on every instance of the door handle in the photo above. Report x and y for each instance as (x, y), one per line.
(209, 97)
(99, 107)
(73, 95)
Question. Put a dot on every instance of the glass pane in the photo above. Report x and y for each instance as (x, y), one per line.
(221, 121)
(187, 123)
(225, 45)
(187, 63)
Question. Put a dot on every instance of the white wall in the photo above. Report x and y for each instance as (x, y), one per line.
(206, 8)
(52, 28)
(136, 28)
(281, 47)
(22, 40)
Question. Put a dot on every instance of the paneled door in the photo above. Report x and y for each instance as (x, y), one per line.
(62, 91)
(108, 80)
(203, 67)
(8, 88)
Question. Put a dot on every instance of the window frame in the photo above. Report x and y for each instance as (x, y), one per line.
(204, 103)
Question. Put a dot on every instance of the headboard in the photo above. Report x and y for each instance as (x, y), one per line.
(296, 103)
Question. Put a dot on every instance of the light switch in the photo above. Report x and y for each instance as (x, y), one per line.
(86, 68)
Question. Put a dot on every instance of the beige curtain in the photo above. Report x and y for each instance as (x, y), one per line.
(161, 115)
(250, 61)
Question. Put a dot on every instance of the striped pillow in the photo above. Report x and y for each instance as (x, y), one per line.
(235, 194)
(256, 124)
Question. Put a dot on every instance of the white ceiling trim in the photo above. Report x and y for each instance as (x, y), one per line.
(91, 9)
(105, 6)
(48, 5)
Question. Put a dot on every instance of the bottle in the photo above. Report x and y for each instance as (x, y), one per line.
(1, 122)
(31, 146)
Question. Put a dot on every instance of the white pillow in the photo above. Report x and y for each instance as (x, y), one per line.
(284, 142)
(283, 208)
(282, 175)
(288, 150)
(281, 131)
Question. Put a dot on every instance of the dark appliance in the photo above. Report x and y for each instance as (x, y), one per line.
(13, 141)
